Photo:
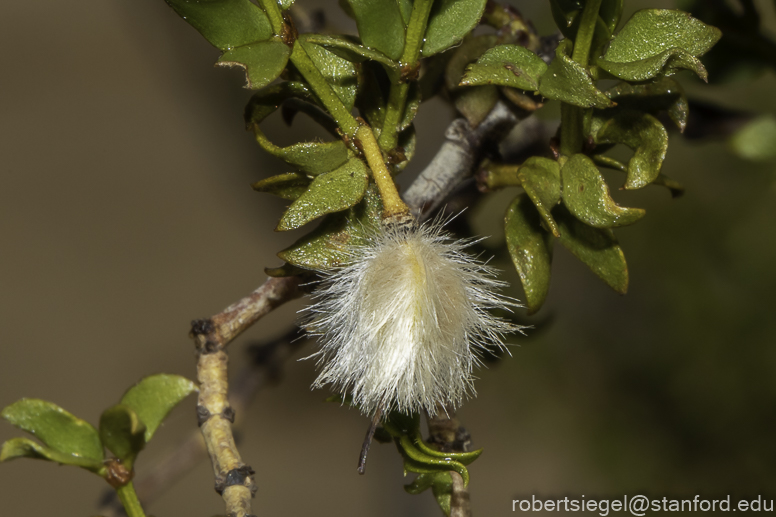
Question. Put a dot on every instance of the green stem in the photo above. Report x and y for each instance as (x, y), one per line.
(586, 32)
(571, 139)
(129, 500)
(323, 90)
(397, 98)
(274, 14)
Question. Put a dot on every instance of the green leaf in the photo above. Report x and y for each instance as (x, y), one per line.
(56, 428)
(564, 12)
(330, 192)
(380, 25)
(122, 432)
(651, 32)
(154, 397)
(756, 141)
(658, 42)
(262, 62)
(285, 4)
(646, 136)
(349, 50)
(448, 22)
(596, 248)
(665, 63)
(338, 72)
(531, 250)
(567, 81)
(405, 6)
(441, 484)
(26, 448)
(226, 24)
(329, 245)
(540, 178)
(586, 195)
(661, 94)
(288, 186)
(506, 65)
(310, 157)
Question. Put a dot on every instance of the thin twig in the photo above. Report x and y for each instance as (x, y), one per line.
(447, 435)
(457, 158)
(233, 478)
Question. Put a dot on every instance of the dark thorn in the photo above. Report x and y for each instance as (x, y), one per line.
(238, 476)
(228, 413)
(368, 441)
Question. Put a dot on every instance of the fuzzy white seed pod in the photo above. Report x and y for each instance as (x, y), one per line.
(404, 322)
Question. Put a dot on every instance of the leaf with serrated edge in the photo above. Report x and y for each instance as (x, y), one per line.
(380, 25)
(154, 397)
(506, 65)
(263, 62)
(586, 195)
(567, 81)
(646, 136)
(226, 24)
(122, 433)
(448, 22)
(531, 250)
(25, 448)
(330, 192)
(56, 428)
(596, 248)
(540, 178)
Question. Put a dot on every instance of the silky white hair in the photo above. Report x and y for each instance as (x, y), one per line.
(404, 321)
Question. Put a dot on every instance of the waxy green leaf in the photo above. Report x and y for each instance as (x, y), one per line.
(441, 485)
(122, 432)
(658, 42)
(288, 186)
(380, 25)
(56, 428)
(26, 448)
(586, 195)
(310, 157)
(154, 397)
(350, 51)
(263, 62)
(448, 22)
(329, 245)
(661, 94)
(338, 72)
(596, 248)
(475, 103)
(506, 65)
(226, 24)
(540, 178)
(567, 81)
(531, 250)
(646, 136)
(330, 192)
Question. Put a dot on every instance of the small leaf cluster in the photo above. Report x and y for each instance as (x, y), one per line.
(326, 77)
(566, 197)
(124, 429)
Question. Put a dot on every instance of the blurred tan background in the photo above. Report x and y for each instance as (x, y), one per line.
(126, 212)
